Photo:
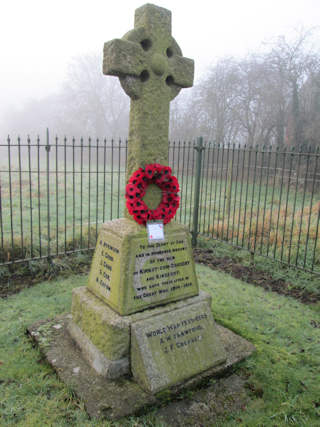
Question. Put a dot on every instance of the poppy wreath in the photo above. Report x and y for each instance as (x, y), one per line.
(136, 189)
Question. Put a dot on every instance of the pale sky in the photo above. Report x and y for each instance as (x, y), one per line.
(40, 37)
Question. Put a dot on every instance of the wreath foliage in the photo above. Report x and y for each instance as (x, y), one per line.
(136, 189)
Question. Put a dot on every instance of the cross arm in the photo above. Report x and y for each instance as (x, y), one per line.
(123, 58)
(182, 70)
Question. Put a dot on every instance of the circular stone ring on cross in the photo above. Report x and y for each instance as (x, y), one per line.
(159, 175)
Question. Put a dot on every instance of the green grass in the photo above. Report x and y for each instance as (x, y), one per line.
(283, 374)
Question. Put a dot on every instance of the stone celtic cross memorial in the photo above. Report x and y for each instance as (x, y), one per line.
(142, 318)
(127, 273)
(114, 321)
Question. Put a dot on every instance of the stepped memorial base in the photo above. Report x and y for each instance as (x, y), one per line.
(116, 398)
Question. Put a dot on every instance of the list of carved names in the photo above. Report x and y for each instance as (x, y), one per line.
(108, 254)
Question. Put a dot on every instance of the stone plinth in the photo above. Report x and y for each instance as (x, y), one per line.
(102, 335)
(105, 337)
(172, 347)
(130, 275)
(116, 398)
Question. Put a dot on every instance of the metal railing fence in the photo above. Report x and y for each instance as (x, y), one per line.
(55, 194)
(262, 199)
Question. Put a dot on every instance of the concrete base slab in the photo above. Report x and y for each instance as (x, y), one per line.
(113, 399)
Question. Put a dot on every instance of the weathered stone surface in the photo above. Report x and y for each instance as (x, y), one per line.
(130, 275)
(104, 336)
(152, 71)
(108, 331)
(113, 399)
(103, 398)
(96, 359)
(172, 347)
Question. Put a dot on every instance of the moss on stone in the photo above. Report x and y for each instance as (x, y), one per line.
(142, 275)
(152, 72)
(107, 331)
(172, 347)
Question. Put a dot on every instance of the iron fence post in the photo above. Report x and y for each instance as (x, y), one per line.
(199, 148)
(48, 150)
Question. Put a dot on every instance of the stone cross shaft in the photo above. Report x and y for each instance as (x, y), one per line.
(152, 72)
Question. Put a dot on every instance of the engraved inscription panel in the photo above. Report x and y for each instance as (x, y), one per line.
(130, 274)
(161, 272)
(174, 346)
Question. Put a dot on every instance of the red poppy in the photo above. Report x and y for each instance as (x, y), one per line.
(150, 171)
(139, 173)
(136, 189)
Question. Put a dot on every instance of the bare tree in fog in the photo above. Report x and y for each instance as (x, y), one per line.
(184, 122)
(208, 109)
(96, 104)
(292, 63)
(89, 104)
(33, 118)
(269, 98)
(266, 98)
(310, 106)
(218, 92)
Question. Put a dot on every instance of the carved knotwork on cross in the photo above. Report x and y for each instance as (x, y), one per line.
(152, 72)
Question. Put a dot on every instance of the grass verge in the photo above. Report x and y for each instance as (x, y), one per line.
(277, 271)
(283, 375)
(24, 275)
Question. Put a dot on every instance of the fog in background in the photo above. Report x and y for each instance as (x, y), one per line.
(256, 80)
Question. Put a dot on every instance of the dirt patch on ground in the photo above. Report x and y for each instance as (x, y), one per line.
(15, 285)
(253, 276)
